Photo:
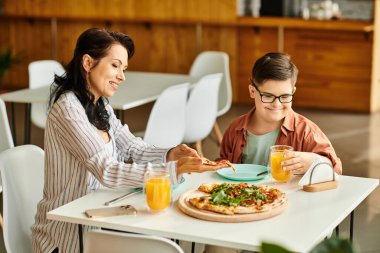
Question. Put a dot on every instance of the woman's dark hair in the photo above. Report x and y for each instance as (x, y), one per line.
(96, 43)
(274, 66)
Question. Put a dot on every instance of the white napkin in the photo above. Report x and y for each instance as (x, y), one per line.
(322, 173)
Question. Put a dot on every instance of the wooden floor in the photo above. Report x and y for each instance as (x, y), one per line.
(355, 137)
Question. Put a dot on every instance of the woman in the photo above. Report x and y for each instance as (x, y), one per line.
(87, 146)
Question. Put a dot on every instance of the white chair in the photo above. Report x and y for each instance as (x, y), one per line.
(100, 241)
(22, 172)
(202, 108)
(41, 73)
(6, 140)
(210, 62)
(166, 124)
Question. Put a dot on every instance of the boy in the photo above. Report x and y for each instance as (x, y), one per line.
(273, 122)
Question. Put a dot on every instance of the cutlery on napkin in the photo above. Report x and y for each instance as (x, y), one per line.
(113, 201)
(111, 211)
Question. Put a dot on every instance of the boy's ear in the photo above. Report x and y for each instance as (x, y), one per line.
(251, 91)
(87, 62)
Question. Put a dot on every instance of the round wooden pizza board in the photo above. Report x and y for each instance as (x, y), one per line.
(189, 209)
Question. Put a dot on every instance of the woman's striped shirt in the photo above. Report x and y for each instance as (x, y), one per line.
(77, 162)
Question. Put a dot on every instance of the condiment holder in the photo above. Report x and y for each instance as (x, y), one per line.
(321, 186)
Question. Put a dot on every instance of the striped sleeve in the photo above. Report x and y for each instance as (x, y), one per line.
(133, 147)
(82, 140)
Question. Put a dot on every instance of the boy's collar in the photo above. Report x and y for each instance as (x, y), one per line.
(246, 119)
(289, 121)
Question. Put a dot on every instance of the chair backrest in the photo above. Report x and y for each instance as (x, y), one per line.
(41, 73)
(210, 62)
(166, 124)
(6, 140)
(201, 110)
(22, 172)
(99, 241)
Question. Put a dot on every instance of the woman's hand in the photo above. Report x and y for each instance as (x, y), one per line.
(300, 162)
(195, 164)
(179, 151)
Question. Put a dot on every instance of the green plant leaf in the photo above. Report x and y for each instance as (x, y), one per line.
(331, 245)
(334, 245)
(273, 248)
(7, 60)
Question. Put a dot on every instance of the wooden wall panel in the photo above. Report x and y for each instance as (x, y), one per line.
(67, 35)
(210, 10)
(165, 31)
(160, 48)
(336, 63)
(252, 44)
(4, 45)
(5, 33)
(218, 38)
(375, 77)
(336, 54)
(30, 40)
(331, 94)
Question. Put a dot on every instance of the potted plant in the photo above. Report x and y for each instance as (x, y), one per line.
(6, 62)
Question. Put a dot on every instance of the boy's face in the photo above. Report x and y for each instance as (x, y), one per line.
(275, 111)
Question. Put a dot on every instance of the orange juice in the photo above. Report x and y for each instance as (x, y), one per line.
(158, 192)
(276, 157)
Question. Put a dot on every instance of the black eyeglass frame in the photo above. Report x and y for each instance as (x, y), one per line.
(271, 95)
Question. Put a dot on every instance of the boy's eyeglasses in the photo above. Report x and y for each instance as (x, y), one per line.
(270, 98)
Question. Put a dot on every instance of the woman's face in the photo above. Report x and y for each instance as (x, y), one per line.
(276, 111)
(108, 73)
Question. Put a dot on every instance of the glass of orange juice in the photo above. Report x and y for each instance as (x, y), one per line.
(157, 190)
(276, 157)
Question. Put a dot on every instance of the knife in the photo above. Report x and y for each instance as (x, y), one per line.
(113, 201)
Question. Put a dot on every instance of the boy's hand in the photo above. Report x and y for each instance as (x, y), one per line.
(298, 162)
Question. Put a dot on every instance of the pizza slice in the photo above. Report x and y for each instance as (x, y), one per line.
(212, 163)
(207, 188)
(204, 203)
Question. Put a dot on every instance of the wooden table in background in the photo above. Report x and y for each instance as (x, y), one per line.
(139, 88)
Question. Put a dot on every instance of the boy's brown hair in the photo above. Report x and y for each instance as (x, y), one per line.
(274, 66)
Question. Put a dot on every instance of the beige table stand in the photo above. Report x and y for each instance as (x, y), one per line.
(321, 186)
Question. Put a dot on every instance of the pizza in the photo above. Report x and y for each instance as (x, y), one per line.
(242, 198)
(208, 162)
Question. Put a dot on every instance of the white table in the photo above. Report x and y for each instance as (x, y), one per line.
(139, 88)
(308, 219)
